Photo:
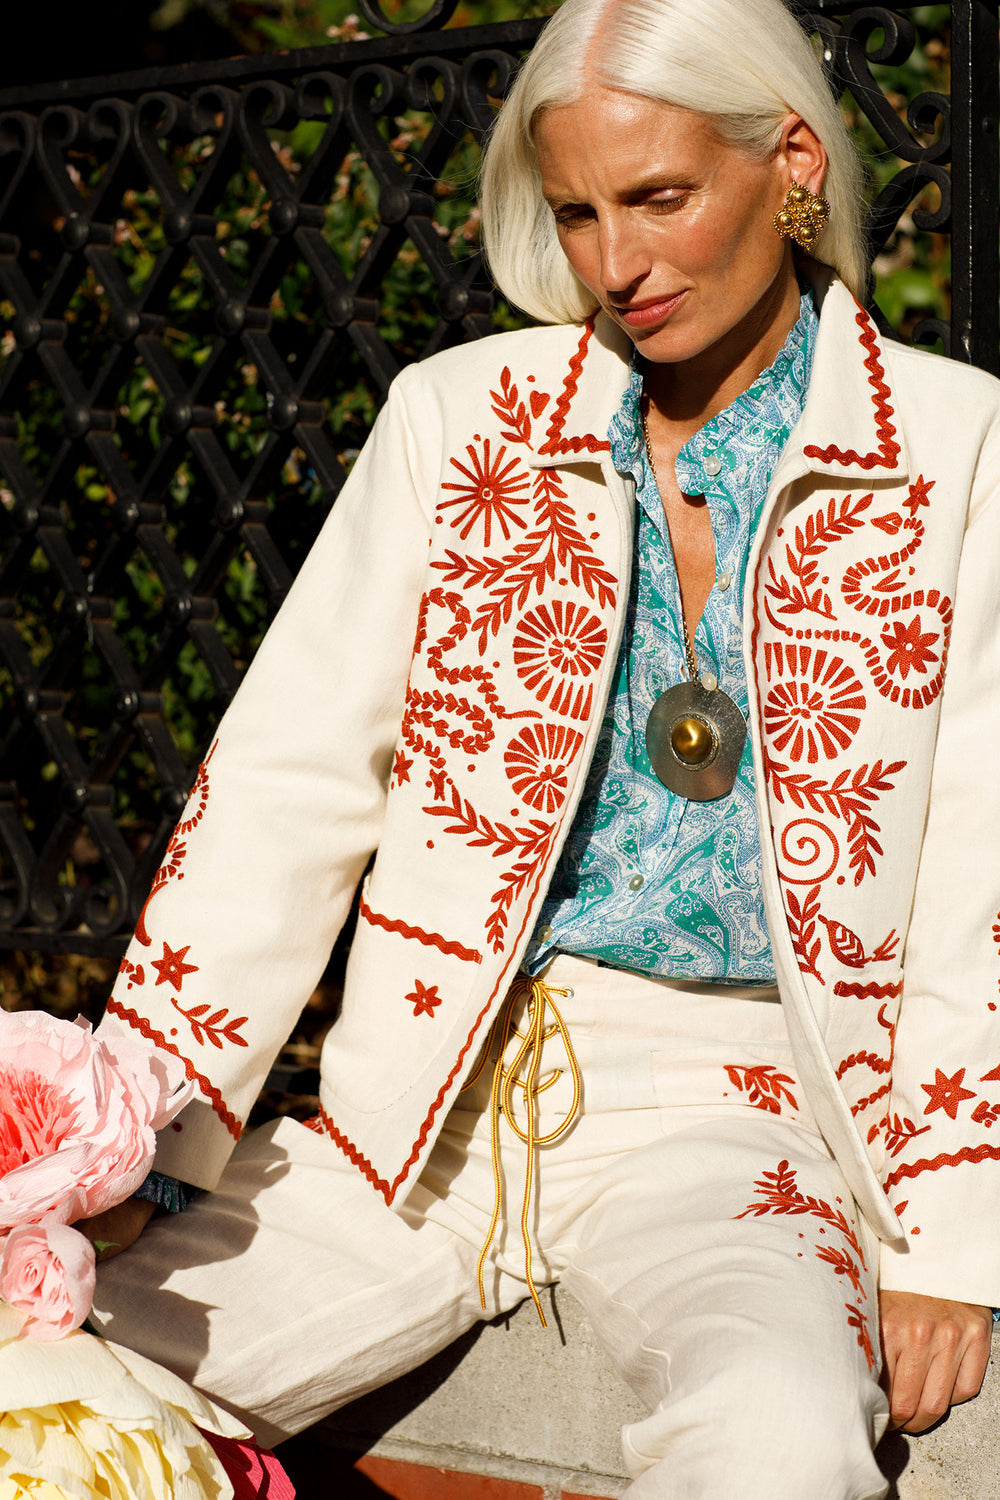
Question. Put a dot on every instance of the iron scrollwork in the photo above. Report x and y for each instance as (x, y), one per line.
(195, 344)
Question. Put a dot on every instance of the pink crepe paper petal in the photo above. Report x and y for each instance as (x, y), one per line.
(254, 1472)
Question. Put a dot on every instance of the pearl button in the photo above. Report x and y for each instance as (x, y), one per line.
(544, 933)
(709, 681)
(712, 465)
(637, 882)
(724, 580)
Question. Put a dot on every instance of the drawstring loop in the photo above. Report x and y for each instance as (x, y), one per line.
(523, 1073)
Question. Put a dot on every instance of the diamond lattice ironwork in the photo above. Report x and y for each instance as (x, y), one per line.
(211, 276)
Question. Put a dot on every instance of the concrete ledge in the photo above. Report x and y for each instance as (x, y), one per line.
(543, 1408)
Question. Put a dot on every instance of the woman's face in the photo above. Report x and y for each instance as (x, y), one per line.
(669, 225)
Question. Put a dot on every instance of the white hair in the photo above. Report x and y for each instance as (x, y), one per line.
(746, 63)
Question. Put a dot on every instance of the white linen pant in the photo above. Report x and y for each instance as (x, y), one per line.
(693, 1209)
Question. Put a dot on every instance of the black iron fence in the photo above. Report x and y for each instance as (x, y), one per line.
(209, 277)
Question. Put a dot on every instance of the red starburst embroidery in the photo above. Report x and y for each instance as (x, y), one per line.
(401, 767)
(817, 716)
(555, 644)
(492, 492)
(537, 762)
(946, 1093)
(171, 967)
(424, 998)
(908, 649)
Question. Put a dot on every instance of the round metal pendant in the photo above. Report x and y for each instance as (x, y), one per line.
(694, 740)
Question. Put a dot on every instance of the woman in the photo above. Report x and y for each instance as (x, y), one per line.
(625, 648)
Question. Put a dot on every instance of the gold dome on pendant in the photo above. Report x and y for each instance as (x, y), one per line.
(692, 740)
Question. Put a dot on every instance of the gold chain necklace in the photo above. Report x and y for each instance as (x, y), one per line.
(695, 732)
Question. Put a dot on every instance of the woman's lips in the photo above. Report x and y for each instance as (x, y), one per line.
(645, 314)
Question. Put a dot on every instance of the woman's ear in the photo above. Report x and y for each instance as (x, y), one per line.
(803, 152)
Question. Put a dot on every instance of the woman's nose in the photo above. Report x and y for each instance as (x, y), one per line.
(624, 257)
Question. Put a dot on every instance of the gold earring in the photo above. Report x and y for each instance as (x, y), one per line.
(803, 216)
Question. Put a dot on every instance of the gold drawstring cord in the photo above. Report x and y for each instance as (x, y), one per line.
(505, 1080)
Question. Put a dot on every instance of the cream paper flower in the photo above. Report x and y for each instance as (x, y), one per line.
(83, 1419)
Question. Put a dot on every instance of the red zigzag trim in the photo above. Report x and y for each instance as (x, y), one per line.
(888, 452)
(871, 991)
(554, 441)
(430, 939)
(208, 1089)
(946, 1159)
(389, 1189)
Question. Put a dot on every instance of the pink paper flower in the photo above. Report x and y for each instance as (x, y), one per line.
(78, 1117)
(48, 1272)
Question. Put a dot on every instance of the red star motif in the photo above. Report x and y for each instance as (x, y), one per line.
(172, 967)
(401, 767)
(918, 495)
(425, 999)
(946, 1093)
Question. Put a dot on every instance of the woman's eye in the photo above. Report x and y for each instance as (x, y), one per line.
(668, 204)
(570, 217)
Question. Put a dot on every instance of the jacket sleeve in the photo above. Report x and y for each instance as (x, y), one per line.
(942, 1166)
(288, 806)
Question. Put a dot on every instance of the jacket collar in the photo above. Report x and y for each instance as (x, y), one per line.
(848, 426)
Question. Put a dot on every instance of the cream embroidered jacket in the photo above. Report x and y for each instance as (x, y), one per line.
(433, 688)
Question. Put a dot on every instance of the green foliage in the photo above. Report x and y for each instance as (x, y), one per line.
(913, 281)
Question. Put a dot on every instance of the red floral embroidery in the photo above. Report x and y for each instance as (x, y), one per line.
(764, 1086)
(171, 967)
(554, 545)
(918, 495)
(848, 948)
(530, 844)
(491, 493)
(510, 409)
(802, 929)
(424, 998)
(401, 767)
(212, 1094)
(210, 1026)
(555, 644)
(780, 1194)
(849, 796)
(984, 1113)
(801, 590)
(843, 1265)
(537, 762)
(176, 850)
(857, 1320)
(909, 650)
(946, 1093)
(135, 972)
(818, 714)
(899, 1132)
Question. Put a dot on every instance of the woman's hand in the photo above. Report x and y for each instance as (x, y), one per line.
(935, 1355)
(114, 1230)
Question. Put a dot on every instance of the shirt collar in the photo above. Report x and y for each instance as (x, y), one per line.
(775, 390)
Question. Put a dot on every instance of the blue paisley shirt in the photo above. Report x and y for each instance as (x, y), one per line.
(648, 880)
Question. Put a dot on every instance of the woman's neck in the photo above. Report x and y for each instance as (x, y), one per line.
(684, 396)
